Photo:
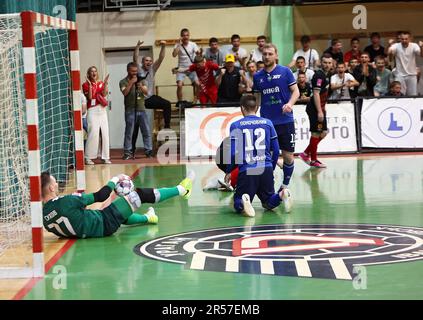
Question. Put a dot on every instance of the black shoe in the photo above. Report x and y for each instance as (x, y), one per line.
(149, 154)
(127, 157)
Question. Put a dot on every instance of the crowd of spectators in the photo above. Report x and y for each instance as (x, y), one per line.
(357, 72)
(221, 74)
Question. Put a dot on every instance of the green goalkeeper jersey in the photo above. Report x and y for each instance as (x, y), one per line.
(67, 217)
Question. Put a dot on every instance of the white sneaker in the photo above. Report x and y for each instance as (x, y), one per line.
(212, 184)
(248, 208)
(287, 200)
(151, 216)
(89, 161)
(225, 186)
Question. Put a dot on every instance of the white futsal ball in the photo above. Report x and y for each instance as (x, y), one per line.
(124, 186)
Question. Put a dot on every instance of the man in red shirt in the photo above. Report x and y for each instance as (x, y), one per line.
(355, 52)
(204, 70)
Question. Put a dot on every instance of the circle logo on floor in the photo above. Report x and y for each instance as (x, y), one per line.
(302, 250)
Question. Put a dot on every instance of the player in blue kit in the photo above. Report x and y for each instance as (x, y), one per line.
(255, 150)
(278, 94)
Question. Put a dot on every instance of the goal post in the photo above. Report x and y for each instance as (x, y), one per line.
(41, 130)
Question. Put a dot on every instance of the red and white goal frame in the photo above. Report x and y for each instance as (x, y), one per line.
(30, 21)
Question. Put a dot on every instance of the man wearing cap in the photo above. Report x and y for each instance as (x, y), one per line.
(230, 82)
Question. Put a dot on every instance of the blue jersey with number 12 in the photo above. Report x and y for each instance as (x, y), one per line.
(254, 143)
(275, 92)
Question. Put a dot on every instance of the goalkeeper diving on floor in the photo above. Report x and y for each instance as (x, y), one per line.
(67, 216)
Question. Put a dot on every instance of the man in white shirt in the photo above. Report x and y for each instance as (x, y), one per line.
(239, 53)
(301, 66)
(341, 82)
(257, 53)
(310, 55)
(186, 51)
(405, 54)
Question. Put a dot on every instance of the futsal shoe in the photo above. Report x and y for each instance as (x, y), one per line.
(248, 208)
(317, 164)
(306, 158)
(151, 216)
(212, 184)
(225, 186)
(287, 200)
(187, 184)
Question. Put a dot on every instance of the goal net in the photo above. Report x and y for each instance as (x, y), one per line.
(40, 129)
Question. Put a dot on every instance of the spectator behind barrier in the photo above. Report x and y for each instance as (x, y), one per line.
(335, 51)
(365, 74)
(213, 53)
(375, 49)
(257, 53)
(301, 67)
(395, 89)
(382, 77)
(229, 82)
(341, 83)
(405, 54)
(354, 52)
(304, 87)
(311, 56)
(237, 51)
(186, 50)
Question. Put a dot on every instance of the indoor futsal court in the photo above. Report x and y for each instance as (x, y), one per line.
(112, 186)
(369, 197)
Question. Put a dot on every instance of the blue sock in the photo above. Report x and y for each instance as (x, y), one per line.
(273, 201)
(288, 169)
(238, 205)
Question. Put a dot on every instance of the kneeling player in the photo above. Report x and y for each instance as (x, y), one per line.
(255, 149)
(66, 216)
(223, 154)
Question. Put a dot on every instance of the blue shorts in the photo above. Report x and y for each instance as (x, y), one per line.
(286, 136)
(262, 185)
(180, 76)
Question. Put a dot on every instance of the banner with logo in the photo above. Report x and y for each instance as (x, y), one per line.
(205, 129)
(341, 129)
(392, 123)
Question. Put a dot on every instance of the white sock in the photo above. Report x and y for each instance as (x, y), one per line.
(181, 190)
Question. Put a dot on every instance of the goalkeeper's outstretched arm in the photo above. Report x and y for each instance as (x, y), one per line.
(101, 195)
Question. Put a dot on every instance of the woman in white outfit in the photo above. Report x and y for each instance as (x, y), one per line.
(96, 90)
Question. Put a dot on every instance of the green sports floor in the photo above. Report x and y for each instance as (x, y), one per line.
(356, 232)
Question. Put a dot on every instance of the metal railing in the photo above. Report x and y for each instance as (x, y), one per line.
(132, 5)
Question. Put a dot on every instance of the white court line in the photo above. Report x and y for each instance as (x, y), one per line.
(232, 265)
(340, 269)
(303, 269)
(266, 266)
(198, 261)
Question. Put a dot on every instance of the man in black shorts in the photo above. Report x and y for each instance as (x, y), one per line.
(316, 112)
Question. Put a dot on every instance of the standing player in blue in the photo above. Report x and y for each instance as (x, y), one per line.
(255, 150)
(278, 94)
